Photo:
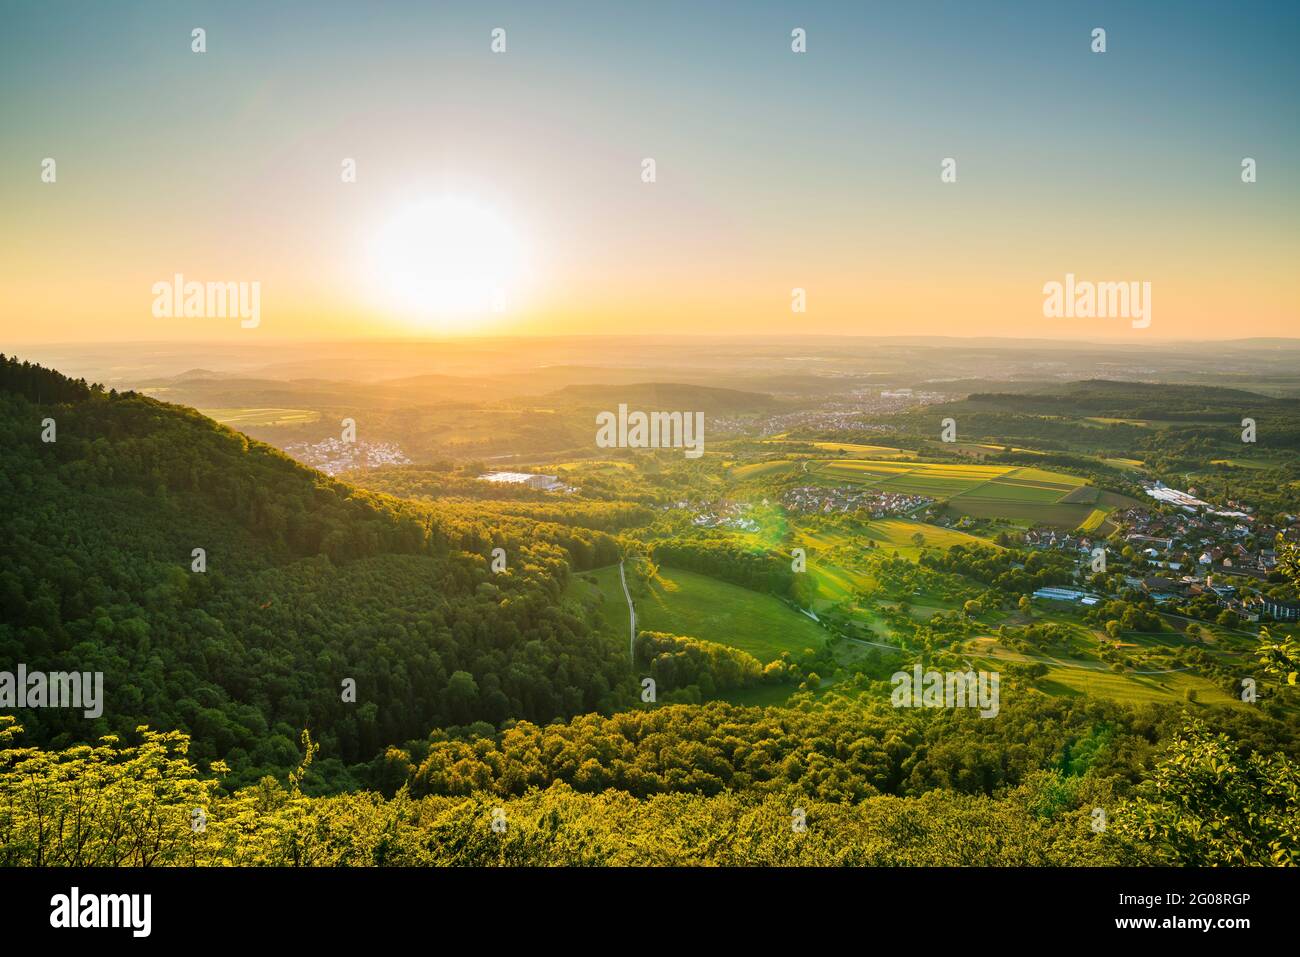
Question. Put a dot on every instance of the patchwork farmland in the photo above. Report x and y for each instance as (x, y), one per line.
(1031, 495)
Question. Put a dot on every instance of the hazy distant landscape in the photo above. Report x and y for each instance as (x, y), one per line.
(512, 398)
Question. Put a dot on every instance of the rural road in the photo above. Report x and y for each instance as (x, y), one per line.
(631, 613)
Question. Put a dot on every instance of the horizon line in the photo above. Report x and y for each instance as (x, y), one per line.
(728, 337)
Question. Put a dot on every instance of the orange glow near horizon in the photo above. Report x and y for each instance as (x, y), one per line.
(521, 174)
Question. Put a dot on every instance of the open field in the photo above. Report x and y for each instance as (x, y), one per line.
(1094, 520)
(1129, 688)
(1129, 465)
(944, 476)
(999, 448)
(1037, 476)
(836, 580)
(764, 469)
(591, 465)
(686, 603)
(247, 418)
(880, 451)
(1057, 514)
(1088, 675)
(1022, 494)
(939, 480)
(896, 534)
(835, 553)
(1009, 491)
(1255, 462)
(981, 491)
(1108, 420)
(856, 448)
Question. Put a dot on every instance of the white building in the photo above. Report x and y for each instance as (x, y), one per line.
(532, 480)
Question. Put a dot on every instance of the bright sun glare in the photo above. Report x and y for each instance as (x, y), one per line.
(446, 258)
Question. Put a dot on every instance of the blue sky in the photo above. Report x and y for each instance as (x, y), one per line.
(819, 167)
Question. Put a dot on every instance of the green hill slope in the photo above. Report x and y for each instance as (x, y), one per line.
(309, 584)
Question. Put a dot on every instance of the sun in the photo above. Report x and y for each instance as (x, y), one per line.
(447, 259)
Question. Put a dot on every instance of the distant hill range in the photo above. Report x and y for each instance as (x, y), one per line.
(666, 396)
(1133, 400)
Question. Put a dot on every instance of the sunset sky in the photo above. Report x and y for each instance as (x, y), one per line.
(774, 169)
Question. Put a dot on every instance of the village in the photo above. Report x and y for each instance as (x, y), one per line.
(725, 514)
(850, 412)
(1189, 553)
(333, 456)
(852, 498)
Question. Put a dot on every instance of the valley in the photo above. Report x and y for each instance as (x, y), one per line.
(787, 574)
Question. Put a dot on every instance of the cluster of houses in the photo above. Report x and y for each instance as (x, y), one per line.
(920, 397)
(827, 499)
(1188, 548)
(1059, 540)
(334, 456)
(961, 522)
(1247, 606)
(835, 417)
(1227, 539)
(837, 414)
(726, 514)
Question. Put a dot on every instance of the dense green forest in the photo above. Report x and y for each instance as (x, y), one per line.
(1135, 400)
(843, 748)
(1203, 802)
(308, 582)
(677, 662)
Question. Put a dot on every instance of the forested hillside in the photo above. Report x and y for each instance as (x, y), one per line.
(1134, 400)
(1099, 414)
(308, 582)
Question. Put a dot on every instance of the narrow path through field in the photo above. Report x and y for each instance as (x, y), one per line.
(631, 614)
